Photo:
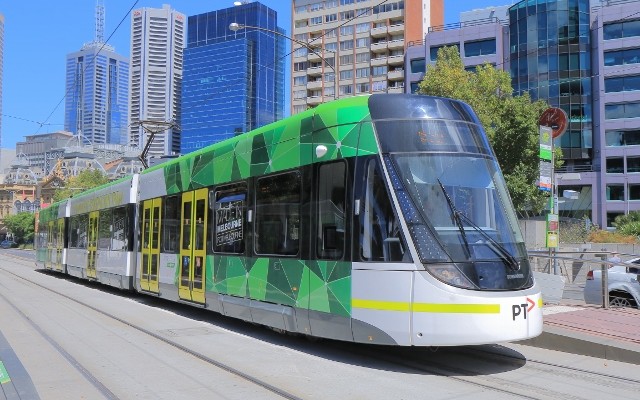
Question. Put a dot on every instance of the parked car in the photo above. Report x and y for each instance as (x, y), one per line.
(6, 244)
(623, 283)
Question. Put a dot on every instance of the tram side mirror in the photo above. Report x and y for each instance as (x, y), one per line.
(329, 237)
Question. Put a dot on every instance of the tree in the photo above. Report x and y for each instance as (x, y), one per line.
(511, 122)
(21, 225)
(86, 179)
(628, 224)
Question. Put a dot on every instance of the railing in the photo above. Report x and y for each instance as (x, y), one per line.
(574, 267)
(459, 25)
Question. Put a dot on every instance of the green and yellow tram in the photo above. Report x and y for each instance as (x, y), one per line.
(378, 219)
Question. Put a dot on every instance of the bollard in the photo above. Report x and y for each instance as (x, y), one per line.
(604, 280)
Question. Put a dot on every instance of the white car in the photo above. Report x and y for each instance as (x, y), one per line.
(624, 285)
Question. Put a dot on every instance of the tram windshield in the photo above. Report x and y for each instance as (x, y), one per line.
(457, 207)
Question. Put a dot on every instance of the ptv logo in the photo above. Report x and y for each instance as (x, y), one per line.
(518, 309)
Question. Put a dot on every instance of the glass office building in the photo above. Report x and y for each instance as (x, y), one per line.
(550, 57)
(97, 88)
(233, 82)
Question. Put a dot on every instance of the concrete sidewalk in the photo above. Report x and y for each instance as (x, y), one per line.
(610, 334)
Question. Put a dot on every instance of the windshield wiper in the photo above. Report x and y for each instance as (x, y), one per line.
(497, 248)
(455, 217)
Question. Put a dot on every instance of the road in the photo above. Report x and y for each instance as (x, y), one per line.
(82, 340)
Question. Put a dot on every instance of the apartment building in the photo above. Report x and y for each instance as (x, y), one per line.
(350, 47)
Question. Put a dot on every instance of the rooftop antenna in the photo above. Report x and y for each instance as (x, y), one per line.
(99, 22)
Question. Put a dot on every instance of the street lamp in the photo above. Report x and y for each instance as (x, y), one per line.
(234, 26)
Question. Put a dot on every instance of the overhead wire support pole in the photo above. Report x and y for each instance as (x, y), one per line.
(152, 133)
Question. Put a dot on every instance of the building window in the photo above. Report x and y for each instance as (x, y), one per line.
(348, 74)
(363, 27)
(346, 30)
(615, 165)
(619, 30)
(622, 110)
(346, 89)
(433, 51)
(299, 80)
(418, 65)
(330, 17)
(634, 192)
(379, 71)
(346, 45)
(379, 86)
(363, 57)
(622, 84)
(362, 88)
(633, 164)
(611, 217)
(615, 192)
(362, 72)
(480, 48)
(346, 60)
(622, 57)
(622, 137)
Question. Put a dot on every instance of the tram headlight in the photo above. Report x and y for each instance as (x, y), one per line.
(450, 274)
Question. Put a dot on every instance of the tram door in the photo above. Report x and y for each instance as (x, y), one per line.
(51, 243)
(193, 239)
(59, 242)
(92, 244)
(150, 245)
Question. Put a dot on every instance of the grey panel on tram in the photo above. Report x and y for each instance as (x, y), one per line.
(330, 326)
(274, 315)
(237, 307)
(366, 333)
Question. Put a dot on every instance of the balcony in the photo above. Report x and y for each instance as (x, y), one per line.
(379, 32)
(378, 61)
(395, 29)
(313, 57)
(314, 84)
(379, 47)
(396, 44)
(314, 71)
(396, 60)
(395, 75)
(396, 89)
(314, 100)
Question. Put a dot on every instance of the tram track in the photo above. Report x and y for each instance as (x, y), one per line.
(96, 382)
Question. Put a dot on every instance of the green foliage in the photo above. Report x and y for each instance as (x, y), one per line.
(21, 225)
(628, 224)
(86, 179)
(511, 122)
(602, 236)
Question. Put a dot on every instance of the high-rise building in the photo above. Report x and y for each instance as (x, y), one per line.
(233, 80)
(1, 69)
(157, 45)
(97, 95)
(354, 47)
(581, 59)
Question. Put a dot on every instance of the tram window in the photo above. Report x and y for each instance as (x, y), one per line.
(83, 226)
(171, 225)
(277, 227)
(379, 228)
(119, 234)
(200, 219)
(331, 211)
(186, 225)
(229, 205)
(73, 232)
(104, 229)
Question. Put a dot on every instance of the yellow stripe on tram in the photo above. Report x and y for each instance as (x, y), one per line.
(426, 307)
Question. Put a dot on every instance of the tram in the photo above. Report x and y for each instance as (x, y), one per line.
(379, 219)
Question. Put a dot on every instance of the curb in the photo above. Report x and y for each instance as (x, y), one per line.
(586, 345)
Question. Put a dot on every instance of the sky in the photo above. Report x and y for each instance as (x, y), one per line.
(39, 34)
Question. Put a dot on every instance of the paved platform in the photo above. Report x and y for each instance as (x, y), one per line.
(15, 382)
(610, 334)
